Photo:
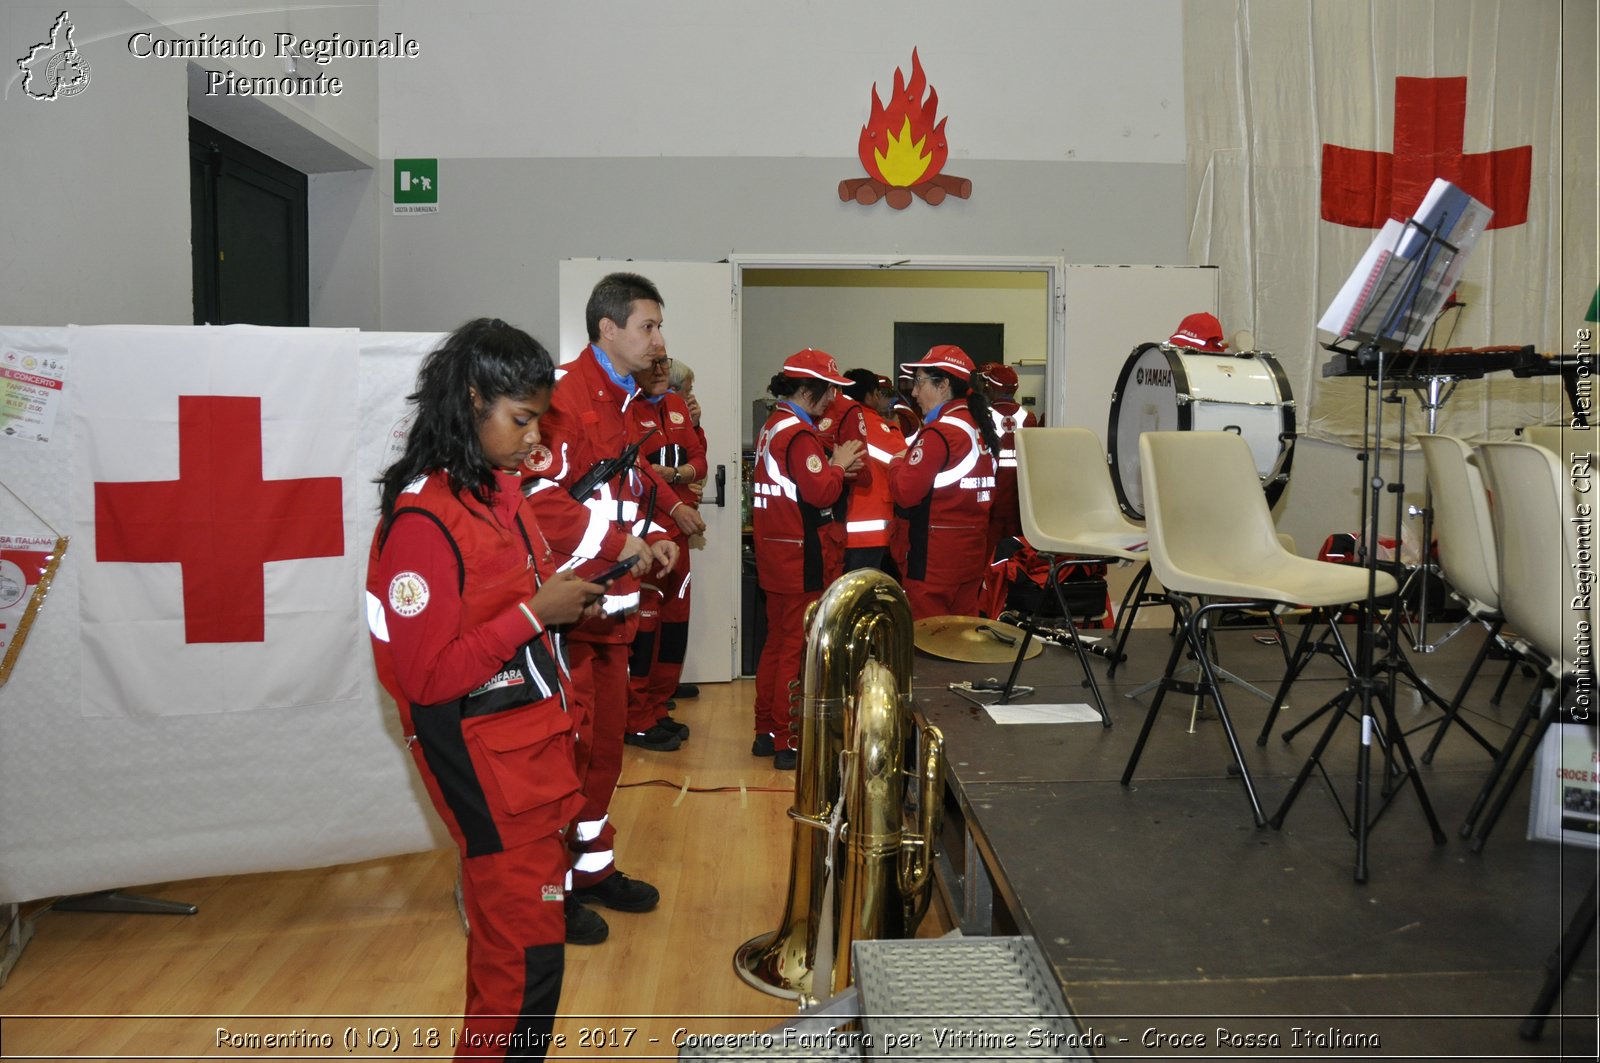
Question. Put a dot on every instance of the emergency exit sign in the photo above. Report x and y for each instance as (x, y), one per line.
(416, 186)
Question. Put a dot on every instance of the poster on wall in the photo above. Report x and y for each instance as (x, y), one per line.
(27, 565)
(30, 394)
(1566, 790)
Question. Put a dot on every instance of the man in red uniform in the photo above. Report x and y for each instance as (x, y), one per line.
(796, 484)
(676, 449)
(942, 488)
(588, 423)
(999, 382)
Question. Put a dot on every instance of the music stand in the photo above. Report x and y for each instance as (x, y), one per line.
(1387, 306)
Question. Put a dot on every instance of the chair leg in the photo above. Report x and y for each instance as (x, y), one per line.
(1450, 715)
(1155, 706)
(1022, 654)
(1500, 763)
(1579, 928)
(1505, 679)
(1547, 715)
(1194, 640)
(1077, 642)
(1131, 600)
(1295, 665)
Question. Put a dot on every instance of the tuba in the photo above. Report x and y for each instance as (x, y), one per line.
(856, 868)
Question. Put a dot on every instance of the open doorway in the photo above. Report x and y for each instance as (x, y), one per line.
(851, 310)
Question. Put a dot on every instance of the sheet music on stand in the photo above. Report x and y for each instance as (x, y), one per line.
(1408, 271)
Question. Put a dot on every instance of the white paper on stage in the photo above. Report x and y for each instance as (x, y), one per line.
(1075, 712)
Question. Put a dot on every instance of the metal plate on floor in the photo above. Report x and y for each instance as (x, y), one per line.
(966, 998)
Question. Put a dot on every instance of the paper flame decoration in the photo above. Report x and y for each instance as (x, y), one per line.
(903, 143)
(903, 149)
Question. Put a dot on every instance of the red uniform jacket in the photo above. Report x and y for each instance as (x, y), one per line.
(942, 491)
(676, 441)
(480, 682)
(588, 421)
(870, 506)
(1008, 416)
(795, 488)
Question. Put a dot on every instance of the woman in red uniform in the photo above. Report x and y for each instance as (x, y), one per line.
(796, 485)
(942, 489)
(462, 601)
(870, 513)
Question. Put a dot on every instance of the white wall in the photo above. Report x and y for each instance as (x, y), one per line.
(1030, 80)
(95, 217)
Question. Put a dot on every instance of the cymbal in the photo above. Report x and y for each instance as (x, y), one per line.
(970, 638)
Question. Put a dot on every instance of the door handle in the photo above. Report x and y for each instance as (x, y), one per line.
(722, 486)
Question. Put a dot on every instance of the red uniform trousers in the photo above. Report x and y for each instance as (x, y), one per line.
(782, 658)
(515, 956)
(656, 663)
(937, 598)
(600, 688)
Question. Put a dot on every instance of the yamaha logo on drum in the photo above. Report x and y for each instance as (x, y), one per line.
(1156, 378)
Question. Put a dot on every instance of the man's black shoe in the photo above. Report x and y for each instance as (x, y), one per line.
(619, 891)
(583, 926)
(786, 759)
(679, 729)
(657, 738)
(762, 746)
(686, 691)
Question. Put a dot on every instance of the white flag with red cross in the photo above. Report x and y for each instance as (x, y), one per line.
(214, 490)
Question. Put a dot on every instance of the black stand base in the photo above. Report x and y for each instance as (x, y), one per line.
(114, 901)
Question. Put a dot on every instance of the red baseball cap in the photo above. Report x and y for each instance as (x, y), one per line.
(948, 358)
(1201, 331)
(999, 375)
(815, 364)
(885, 384)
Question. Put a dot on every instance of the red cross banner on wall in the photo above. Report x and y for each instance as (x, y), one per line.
(214, 471)
(219, 520)
(1364, 189)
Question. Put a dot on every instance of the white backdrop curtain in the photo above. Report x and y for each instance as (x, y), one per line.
(1268, 83)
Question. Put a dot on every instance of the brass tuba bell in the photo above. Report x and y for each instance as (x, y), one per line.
(856, 868)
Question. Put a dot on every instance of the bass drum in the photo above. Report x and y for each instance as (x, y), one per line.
(1175, 389)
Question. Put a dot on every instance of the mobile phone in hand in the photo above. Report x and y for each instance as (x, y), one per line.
(615, 572)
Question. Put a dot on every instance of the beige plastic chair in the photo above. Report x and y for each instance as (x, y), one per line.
(1072, 505)
(1066, 519)
(1549, 436)
(1467, 556)
(1211, 537)
(1538, 535)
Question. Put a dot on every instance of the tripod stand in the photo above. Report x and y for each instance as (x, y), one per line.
(1401, 288)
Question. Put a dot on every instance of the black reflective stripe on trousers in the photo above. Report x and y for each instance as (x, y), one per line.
(542, 967)
(642, 653)
(674, 641)
(916, 519)
(445, 750)
(811, 521)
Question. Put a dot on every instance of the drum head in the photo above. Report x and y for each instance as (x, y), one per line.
(1146, 400)
(1166, 389)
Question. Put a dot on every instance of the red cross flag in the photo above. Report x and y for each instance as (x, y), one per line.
(214, 471)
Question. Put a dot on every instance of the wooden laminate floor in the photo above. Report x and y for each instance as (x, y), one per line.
(377, 947)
